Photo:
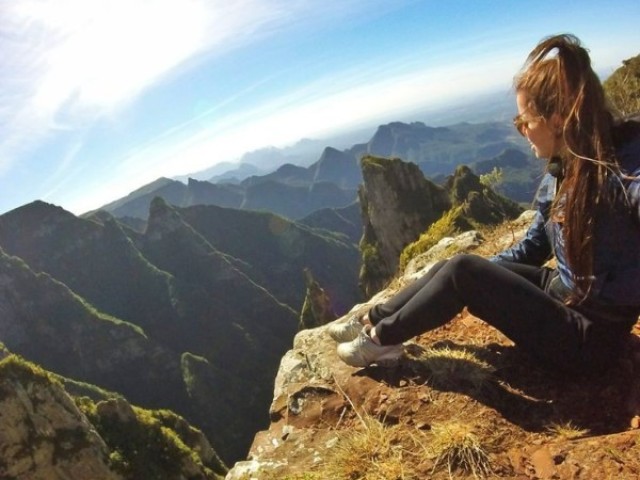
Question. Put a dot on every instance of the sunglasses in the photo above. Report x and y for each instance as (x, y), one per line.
(521, 122)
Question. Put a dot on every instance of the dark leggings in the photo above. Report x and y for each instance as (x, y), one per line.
(512, 298)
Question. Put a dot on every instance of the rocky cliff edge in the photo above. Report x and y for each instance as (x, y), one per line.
(465, 403)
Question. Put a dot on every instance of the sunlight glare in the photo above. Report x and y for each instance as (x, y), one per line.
(107, 51)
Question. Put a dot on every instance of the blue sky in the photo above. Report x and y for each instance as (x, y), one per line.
(99, 97)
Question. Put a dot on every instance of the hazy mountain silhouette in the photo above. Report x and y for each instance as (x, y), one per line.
(296, 190)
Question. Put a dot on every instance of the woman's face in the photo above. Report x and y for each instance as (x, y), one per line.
(543, 135)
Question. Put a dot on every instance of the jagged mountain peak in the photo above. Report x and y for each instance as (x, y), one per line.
(398, 203)
(436, 151)
(290, 169)
(463, 182)
(330, 153)
(162, 217)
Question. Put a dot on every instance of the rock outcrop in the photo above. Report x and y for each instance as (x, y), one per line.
(398, 204)
(43, 434)
(317, 309)
(479, 203)
(399, 207)
(46, 433)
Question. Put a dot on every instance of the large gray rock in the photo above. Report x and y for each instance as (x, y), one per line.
(398, 204)
(43, 435)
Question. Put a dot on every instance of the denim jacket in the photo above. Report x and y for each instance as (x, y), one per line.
(616, 237)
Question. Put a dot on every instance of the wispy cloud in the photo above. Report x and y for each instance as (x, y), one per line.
(65, 63)
(64, 172)
(323, 107)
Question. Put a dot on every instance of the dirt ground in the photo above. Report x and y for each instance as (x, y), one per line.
(532, 423)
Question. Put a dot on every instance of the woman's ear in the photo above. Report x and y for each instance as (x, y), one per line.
(557, 124)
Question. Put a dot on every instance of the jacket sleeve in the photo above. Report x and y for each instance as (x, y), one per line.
(634, 196)
(535, 248)
(629, 158)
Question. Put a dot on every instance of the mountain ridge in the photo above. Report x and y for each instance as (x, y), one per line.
(331, 180)
(214, 325)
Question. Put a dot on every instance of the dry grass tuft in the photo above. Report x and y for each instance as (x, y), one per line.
(376, 451)
(449, 367)
(373, 452)
(566, 431)
(455, 445)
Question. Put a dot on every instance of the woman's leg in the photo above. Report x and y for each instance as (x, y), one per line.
(539, 276)
(510, 302)
(395, 303)
(536, 275)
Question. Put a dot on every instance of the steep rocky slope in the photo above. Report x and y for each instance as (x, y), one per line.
(161, 317)
(192, 332)
(196, 308)
(275, 251)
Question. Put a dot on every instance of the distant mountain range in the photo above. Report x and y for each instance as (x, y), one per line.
(331, 181)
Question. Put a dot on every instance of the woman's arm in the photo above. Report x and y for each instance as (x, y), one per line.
(535, 248)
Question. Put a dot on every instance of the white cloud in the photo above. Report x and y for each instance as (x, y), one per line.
(64, 172)
(99, 53)
(66, 62)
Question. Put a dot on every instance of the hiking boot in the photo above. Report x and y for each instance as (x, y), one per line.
(346, 331)
(362, 352)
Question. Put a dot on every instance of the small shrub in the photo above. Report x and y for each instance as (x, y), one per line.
(492, 179)
(14, 366)
(623, 87)
(450, 224)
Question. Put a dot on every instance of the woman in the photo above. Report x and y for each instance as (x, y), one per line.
(577, 315)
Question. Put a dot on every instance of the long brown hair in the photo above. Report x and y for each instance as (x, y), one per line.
(558, 79)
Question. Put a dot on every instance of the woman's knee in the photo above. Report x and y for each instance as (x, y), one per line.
(465, 262)
(464, 271)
